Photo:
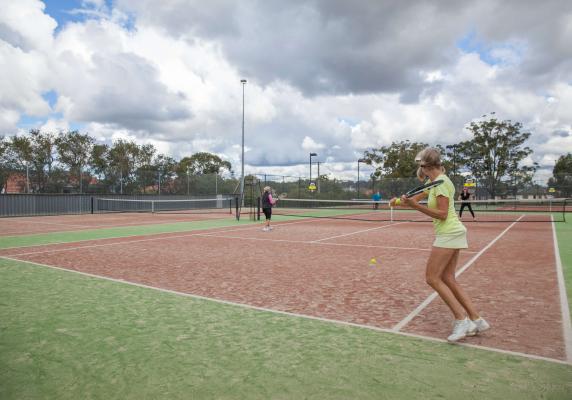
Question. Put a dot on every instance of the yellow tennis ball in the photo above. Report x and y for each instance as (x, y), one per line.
(372, 261)
(397, 202)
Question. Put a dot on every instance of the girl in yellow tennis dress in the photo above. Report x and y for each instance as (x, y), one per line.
(450, 237)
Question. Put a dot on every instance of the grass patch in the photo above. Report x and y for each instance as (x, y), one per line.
(68, 336)
(564, 235)
(116, 232)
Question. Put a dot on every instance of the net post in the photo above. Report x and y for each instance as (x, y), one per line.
(258, 208)
(91, 204)
(152, 206)
(237, 212)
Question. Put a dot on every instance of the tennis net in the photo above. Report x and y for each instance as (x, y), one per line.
(212, 205)
(522, 210)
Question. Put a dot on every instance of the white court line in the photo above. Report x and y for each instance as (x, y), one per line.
(566, 324)
(50, 223)
(367, 230)
(317, 242)
(433, 295)
(128, 241)
(356, 232)
(296, 315)
(97, 227)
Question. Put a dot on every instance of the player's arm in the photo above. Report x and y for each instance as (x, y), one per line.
(418, 197)
(441, 212)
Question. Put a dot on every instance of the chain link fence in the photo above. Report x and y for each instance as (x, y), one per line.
(156, 182)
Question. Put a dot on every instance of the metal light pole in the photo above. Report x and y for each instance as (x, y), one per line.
(243, 81)
(27, 177)
(358, 161)
(455, 159)
(318, 180)
(311, 155)
(188, 190)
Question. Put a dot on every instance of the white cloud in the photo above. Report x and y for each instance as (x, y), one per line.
(310, 144)
(56, 126)
(24, 24)
(8, 120)
(26, 42)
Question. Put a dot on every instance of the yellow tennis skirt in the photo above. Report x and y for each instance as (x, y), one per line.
(452, 240)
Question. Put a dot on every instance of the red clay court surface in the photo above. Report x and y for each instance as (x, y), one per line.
(58, 223)
(320, 268)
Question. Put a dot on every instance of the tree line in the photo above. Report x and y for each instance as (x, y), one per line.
(72, 161)
(493, 157)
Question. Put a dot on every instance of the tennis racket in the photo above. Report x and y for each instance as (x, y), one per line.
(279, 196)
(422, 188)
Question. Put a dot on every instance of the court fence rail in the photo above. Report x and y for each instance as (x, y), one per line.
(27, 205)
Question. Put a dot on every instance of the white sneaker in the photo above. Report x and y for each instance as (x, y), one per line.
(265, 229)
(461, 329)
(270, 228)
(482, 325)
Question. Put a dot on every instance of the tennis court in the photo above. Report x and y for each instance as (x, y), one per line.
(113, 213)
(320, 268)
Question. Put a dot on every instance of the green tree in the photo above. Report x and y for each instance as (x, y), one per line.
(6, 163)
(146, 171)
(166, 169)
(99, 165)
(124, 167)
(494, 155)
(452, 160)
(395, 166)
(74, 151)
(396, 160)
(38, 150)
(203, 163)
(122, 159)
(561, 179)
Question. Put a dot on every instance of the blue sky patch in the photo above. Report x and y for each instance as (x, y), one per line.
(60, 10)
(72, 11)
(470, 43)
(28, 122)
(503, 53)
(350, 121)
(69, 11)
(51, 97)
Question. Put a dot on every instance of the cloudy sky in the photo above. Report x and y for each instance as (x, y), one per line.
(335, 77)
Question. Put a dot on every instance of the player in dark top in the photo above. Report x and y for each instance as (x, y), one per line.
(465, 196)
(267, 203)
